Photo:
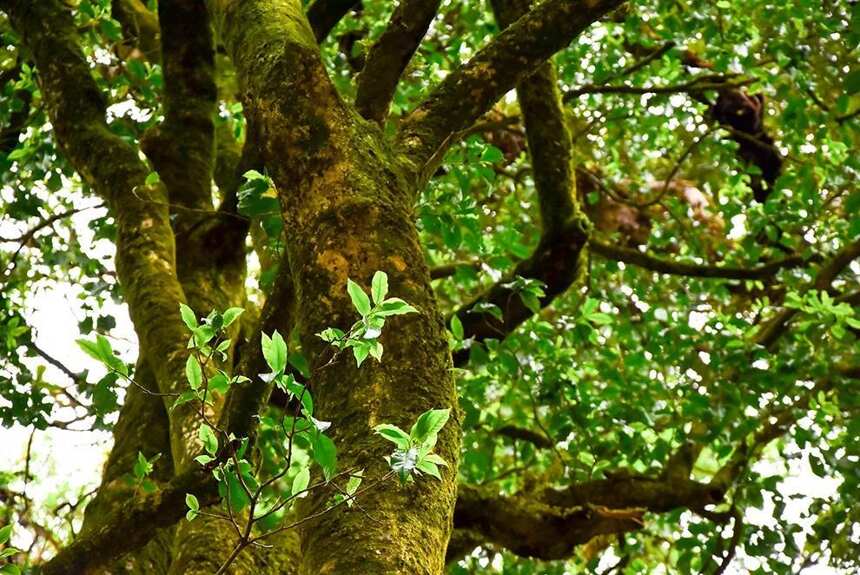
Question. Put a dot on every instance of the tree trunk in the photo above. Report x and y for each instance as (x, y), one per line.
(347, 205)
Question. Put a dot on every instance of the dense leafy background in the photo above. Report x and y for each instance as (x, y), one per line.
(617, 371)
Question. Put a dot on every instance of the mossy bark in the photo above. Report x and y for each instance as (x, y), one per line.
(348, 213)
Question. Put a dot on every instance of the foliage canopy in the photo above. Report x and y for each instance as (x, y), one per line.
(626, 262)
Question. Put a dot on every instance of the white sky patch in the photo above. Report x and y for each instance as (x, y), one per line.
(739, 227)
(697, 320)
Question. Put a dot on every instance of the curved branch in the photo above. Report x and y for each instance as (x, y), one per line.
(555, 262)
(548, 138)
(139, 26)
(551, 523)
(471, 90)
(390, 55)
(664, 266)
(137, 521)
(324, 15)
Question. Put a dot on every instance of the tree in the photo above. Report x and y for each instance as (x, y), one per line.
(472, 326)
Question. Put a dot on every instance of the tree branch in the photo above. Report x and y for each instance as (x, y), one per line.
(390, 55)
(145, 258)
(564, 233)
(137, 521)
(664, 266)
(521, 433)
(548, 138)
(139, 26)
(471, 90)
(324, 15)
(550, 524)
(182, 147)
(771, 330)
(699, 84)
(555, 263)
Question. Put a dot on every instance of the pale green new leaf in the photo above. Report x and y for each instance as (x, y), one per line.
(379, 287)
(428, 425)
(394, 434)
(359, 299)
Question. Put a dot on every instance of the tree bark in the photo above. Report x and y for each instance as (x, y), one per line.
(347, 207)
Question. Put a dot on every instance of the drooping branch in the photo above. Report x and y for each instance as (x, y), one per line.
(470, 91)
(324, 15)
(390, 55)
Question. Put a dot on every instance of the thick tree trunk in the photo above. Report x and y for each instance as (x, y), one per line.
(348, 212)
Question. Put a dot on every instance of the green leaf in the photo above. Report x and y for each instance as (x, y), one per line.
(152, 178)
(359, 299)
(429, 468)
(237, 496)
(142, 466)
(428, 425)
(17, 154)
(395, 306)
(219, 383)
(90, 348)
(852, 81)
(379, 287)
(191, 502)
(204, 459)
(10, 569)
(360, 351)
(185, 397)
(492, 155)
(101, 351)
(231, 315)
(202, 335)
(375, 350)
(301, 481)
(208, 439)
(5, 534)
(354, 482)
(300, 391)
(436, 459)
(325, 454)
(193, 372)
(457, 327)
(275, 352)
(253, 175)
(394, 434)
(193, 507)
(188, 316)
